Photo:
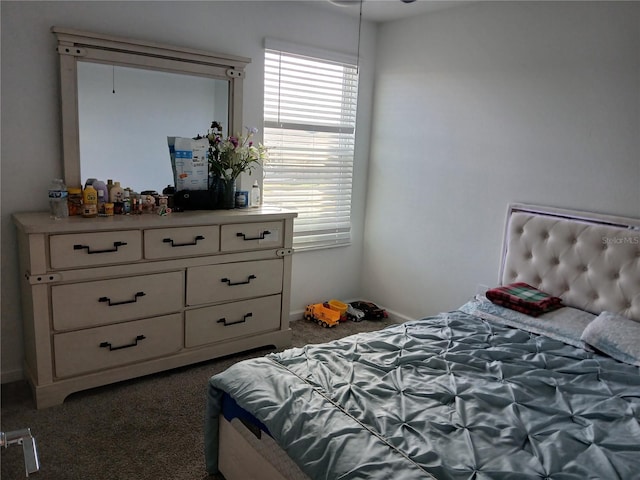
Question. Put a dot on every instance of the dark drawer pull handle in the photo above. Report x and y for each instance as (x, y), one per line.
(112, 348)
(230, 283)
(173, 244)
(89, 251)
(111, 304)
(244, 319)
(261, 237)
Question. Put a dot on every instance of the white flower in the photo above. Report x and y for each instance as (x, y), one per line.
(230, 156)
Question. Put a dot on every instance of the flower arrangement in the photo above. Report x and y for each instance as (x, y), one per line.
(229, 157)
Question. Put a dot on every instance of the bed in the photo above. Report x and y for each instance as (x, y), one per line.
(480, 392)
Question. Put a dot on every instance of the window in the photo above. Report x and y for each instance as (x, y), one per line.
(309, 127)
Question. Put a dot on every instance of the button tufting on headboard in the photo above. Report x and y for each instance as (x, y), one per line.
(591, 261)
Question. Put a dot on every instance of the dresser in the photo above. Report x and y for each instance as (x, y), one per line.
(109, 299)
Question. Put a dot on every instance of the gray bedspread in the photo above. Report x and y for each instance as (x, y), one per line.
(447, 397)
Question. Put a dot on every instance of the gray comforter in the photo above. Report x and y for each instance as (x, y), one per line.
(448, 397)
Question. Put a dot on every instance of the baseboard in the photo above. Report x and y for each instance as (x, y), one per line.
(295, 315)
(10, 376)
(399, 317)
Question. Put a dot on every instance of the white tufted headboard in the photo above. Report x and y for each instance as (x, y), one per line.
(591, 261)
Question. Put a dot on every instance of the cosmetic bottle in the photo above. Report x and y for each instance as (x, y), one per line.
(255, 194)
(58, 199)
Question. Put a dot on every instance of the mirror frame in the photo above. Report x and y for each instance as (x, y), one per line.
(75, 45)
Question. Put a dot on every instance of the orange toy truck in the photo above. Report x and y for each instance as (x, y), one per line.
(322, 314)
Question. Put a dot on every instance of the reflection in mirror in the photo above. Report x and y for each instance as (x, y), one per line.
(126, 114)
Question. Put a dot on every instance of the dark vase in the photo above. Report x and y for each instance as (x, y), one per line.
(228, 193)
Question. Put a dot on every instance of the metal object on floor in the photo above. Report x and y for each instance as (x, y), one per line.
(23, 437)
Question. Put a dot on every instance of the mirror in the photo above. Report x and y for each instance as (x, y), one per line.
(122, 98)
(139, 108)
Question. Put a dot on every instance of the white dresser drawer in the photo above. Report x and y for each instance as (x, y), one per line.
(114, 345)
(231, 320)
(90, 249)
(251, 236)
(90, 304)
(181, 242)
(233, 281)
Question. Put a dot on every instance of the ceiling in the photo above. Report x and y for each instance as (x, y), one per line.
(388, 10)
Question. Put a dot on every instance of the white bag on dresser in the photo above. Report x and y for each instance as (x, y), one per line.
(189, 163)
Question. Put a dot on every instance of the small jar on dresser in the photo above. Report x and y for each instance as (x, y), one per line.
(112, 298)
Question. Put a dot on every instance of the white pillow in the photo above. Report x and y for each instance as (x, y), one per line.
(615, 335)
(565, 324)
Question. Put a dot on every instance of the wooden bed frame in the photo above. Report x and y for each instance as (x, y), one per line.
(591, 261)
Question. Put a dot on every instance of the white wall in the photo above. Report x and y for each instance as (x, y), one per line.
(487, 104)
(31, 127)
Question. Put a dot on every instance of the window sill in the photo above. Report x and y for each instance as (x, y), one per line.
(300, 249)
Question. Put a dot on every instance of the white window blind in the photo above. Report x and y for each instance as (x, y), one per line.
(309, 128)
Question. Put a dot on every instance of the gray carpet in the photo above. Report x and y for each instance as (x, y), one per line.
(142, 429)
